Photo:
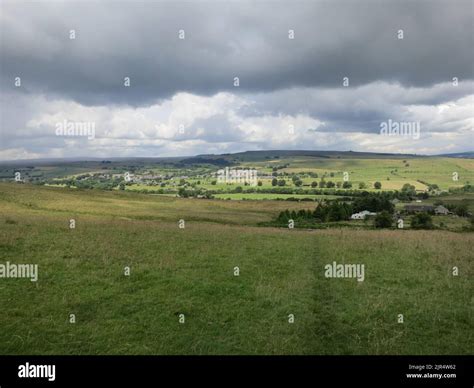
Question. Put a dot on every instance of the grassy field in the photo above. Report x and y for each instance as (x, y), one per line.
(190, 271)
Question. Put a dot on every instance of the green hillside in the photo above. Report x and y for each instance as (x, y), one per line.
(191, 271)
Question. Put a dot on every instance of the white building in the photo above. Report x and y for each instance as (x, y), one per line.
(361, 215)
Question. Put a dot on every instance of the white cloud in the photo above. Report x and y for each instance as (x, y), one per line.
(307, 118)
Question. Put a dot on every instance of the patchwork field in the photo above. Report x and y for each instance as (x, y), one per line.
(393, 173)
(191, 271)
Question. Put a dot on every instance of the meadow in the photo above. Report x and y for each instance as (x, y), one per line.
(190, 273)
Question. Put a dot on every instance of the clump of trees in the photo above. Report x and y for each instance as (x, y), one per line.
(421, 221)
(374, 202)
(383, 220)
(461, 210)
(325, 212)
(408, 192)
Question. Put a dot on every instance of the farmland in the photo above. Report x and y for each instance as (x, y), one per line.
(182, 295)
(296, 173)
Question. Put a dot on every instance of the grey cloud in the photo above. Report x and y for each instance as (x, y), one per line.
(355, 109)
(223, 40)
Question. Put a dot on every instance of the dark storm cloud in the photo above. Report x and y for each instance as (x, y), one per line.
(223, 40)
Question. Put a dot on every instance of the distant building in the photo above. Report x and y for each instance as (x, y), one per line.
(441, 210)
(361, 215)
(416, 208)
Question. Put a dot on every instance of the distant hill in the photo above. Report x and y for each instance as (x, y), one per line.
(464, 155)
(254, 156)
(229, 159)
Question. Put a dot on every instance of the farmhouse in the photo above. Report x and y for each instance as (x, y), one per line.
(361, 215)
(441, 210)
(415, 208)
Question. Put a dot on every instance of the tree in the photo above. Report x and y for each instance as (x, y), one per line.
(213, 182)
(362, 185)
(383, 220)
(281, 182)
(182, 192)
(298, 182)
(274, 182)
(122, 186)
(238, 189)
(374, 202)
(259, 183)
(314, 184)
(330, 184)
(409, 190)
(347, 185)
(422, 221)
(461, 210)
(377, 185)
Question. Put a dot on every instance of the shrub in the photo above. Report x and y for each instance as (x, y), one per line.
(347, 185)
(462, 210)
(383, 220)
(422, 221)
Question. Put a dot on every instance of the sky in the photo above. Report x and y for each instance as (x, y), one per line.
(155, 78)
